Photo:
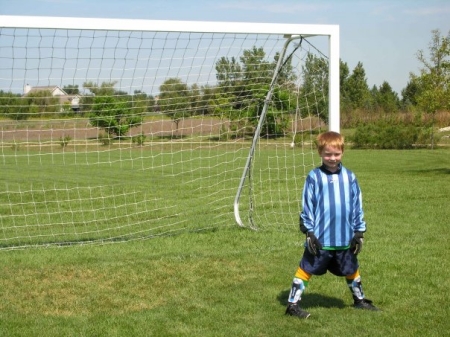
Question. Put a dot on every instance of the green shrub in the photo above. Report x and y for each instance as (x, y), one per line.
(105, 139)
(15, 146)
(139, 139)
(386, 135)
(63, 141)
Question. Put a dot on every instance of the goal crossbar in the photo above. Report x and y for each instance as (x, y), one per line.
(44, 22)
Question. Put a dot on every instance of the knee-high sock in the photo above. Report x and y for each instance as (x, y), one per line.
(299, 284)
(355, 286)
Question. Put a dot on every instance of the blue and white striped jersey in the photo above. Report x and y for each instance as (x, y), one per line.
(332, 206)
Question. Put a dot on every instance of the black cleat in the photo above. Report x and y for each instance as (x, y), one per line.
(365, 304)
(294, 310)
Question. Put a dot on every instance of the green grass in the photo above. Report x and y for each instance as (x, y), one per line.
(227, 281)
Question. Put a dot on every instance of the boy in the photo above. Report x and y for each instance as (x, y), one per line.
(333, 221)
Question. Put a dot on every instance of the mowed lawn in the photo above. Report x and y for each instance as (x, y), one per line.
(228, 281)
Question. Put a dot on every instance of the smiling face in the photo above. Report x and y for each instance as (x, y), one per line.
(331, 157)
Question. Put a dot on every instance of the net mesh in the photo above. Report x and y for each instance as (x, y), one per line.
(117, 135)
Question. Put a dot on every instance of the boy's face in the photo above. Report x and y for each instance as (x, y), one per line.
(331, 157)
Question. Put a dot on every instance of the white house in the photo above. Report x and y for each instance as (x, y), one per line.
(54, 90)
(64, 98)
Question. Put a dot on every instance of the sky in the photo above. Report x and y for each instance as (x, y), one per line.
(384, 36)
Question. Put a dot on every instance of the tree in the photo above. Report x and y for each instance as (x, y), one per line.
(315, 80)
(40, 102)
(256, 69)
(286, 76)
(140, 102)
(344, 73)
(224, 100)
(197, 105)
(410, 94)
(258, 73)
(228, 73)
(433, 83)
(109, 109)
(242, 89)
(71, 89)
(11, 106)
(357, 88)
(386, 99)
(174, 99)
(434, 79)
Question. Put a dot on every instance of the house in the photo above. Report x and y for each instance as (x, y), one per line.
(64, 98)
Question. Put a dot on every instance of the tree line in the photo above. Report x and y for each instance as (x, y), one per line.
(240, 90)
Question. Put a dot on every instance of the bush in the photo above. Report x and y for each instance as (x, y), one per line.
(105, 139)
(139, 139)
(64, 140)
(385, 135)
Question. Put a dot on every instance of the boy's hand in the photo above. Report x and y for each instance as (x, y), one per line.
(312, 243)
(357, 243)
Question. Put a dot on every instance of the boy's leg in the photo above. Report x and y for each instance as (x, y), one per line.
(299, 284)
(355, 286)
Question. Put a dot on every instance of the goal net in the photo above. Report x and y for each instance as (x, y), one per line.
(115, 130)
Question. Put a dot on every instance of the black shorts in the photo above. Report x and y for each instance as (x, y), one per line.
(337, 262)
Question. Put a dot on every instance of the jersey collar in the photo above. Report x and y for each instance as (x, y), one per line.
(325, 170)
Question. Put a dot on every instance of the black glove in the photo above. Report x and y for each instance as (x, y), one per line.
(312, 243)
(357, 243)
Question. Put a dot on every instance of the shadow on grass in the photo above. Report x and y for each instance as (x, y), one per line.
(171, 137)
(436, 170)
(310, 300)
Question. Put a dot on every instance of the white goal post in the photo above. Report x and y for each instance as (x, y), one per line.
(120, 129)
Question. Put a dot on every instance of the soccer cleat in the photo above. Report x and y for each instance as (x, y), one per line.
(294, 310)
(365, 304)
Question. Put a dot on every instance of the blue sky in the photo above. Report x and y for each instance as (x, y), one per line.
(384, 35)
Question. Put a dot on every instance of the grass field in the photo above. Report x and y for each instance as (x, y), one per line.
(114, 193)
(228, 281)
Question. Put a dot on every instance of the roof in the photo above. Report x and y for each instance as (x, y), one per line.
(54, 89)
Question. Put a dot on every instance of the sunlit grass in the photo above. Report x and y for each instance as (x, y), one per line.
(229, 281)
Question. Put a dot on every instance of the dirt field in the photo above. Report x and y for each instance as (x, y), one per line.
(39, 131)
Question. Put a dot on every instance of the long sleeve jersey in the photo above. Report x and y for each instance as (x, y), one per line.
(332, 207)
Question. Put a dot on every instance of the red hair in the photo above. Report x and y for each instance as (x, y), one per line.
(330, 138)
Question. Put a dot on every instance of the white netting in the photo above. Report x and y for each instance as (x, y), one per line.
(116, 135)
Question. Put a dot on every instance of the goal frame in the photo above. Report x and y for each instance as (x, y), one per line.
(288, 30)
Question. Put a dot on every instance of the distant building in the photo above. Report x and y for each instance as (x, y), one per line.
(64, 98)
(54, 90)
(75, 102)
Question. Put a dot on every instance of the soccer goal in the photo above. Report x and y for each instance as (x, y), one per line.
(115, 130)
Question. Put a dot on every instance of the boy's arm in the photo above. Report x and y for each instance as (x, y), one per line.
(359, 224)
(307, 220)
(307, 213)
(303, 228)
